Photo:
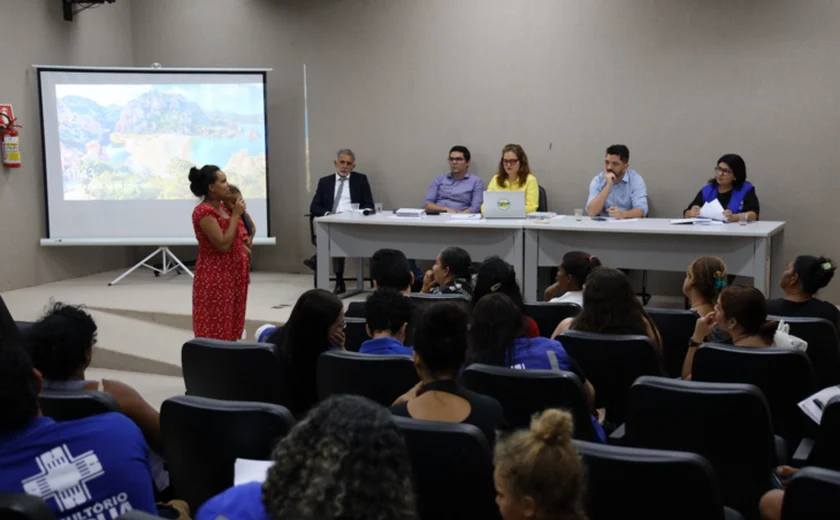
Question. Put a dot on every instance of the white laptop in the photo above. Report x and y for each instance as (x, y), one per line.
(504, 204)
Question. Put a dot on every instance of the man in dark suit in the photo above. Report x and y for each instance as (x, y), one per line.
(335, 194)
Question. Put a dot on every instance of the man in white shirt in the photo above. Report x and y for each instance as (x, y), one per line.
(335, 194)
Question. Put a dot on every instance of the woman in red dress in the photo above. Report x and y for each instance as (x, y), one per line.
(220, 286)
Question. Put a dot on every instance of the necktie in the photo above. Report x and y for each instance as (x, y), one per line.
(341, 181)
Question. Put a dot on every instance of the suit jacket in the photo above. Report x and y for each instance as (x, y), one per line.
(322, 202)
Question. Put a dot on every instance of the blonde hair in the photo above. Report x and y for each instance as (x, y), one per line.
(524, 167)
(541, 462)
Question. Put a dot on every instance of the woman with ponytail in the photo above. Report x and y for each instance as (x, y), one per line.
(220, 284)
(801, 281)
(571, 275)
(538, 472)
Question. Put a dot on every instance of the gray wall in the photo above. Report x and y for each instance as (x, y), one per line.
(33, 32)
(400, 81)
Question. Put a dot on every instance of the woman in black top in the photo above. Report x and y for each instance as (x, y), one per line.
(730, 187)
(440, 346)
(802, 279)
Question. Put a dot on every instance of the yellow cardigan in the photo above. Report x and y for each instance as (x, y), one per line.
(531, 189)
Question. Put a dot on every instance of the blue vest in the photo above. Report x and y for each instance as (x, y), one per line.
(710, 193)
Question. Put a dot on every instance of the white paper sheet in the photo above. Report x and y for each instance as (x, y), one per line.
(247, 470)
(712, 210)
(624, 220)
(465, 216)
(810, 407)
(678, 221)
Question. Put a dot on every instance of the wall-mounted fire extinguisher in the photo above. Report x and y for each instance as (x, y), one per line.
(9, 142)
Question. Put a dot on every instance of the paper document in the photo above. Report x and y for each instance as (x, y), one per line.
(813, 405)
(465, 216)
(247, 470)
(625, 219)
(713, 210)
(678, 221)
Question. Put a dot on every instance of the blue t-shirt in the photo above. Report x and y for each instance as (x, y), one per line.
(97, 467)
(385, 346)
(243, 502)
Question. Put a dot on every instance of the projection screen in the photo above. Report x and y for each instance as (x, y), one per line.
(118, 146)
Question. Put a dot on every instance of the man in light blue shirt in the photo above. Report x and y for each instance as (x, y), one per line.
(458, 191)
(618, 191)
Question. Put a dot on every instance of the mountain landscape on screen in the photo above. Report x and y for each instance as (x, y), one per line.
(138, 142)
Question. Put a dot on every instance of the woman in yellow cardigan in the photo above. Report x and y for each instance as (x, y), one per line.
(515, 175)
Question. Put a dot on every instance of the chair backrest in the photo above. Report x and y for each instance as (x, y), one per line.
(453, 469)
(611, 362)
(812, 494)
(523, 393)
(548, 315)
(355, 334)
(20, 506)
(380, 378)
(24, 328)
(69, 405)
(652, 484)
(826, 451)
(235, 371)
(676, 326)
(421, 300)
(823, 347)
(543, 200)
(783, 375)
(727, 423)
(202, 438)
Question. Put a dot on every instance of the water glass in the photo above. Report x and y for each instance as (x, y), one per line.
(378, 207)
(742, 218)
(579, 214)
(354, 207)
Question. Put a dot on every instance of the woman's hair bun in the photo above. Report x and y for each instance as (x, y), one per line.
(195, 174)
(553, 426)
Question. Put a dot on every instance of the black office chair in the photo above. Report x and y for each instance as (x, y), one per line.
(823, 347)
(548, 315)
(69, 405)
(783, 375)
(20, 506)
(812, 494)
(234, 371)
(422, 300)
(823, 449)
(355, 333)
(24, 328)
(453, 469)
(381, 378)
(543, 200)
(727, 423)
(611, 362)
(523, 393)
(676, 327)
(202, 438)
(650, 484)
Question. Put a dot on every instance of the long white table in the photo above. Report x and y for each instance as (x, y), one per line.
(657, 245)
(358, 236)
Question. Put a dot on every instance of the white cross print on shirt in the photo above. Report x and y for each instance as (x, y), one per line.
(63, 477)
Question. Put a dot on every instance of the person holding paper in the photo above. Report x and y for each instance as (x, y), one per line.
(458, 191)
(617, 192)
(730, 188)
(514, 174)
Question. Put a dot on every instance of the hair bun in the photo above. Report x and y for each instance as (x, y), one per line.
(195, 173)
(553, 426)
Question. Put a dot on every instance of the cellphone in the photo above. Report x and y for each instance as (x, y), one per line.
(432, 212)
(600, 219)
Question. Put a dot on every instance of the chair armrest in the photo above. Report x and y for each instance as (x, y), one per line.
(803, 453)
(781, 450)
(616, 438)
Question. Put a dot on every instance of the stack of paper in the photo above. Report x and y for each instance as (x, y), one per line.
(713, 210)
(409, 213)
(465, 216)
(813, 405)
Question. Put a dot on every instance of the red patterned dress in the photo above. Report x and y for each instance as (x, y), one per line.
(220, 286)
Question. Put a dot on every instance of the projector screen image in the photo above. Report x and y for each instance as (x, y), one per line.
(119, 147)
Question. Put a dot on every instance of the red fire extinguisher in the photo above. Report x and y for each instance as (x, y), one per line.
(10, 142)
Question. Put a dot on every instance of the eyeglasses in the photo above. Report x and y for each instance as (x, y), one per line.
(509, 162)
(456, 159)
(727, 171)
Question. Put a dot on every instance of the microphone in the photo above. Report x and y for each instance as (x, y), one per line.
(368, 211)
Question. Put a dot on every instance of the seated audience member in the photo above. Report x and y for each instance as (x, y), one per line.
(108, 449)
(514, 174)
(742, 313)
(345, 459)
(440, 344)
(315, 326)
(730, 187)
(61, 344)
(801, 281)
(451, 273)
(705, 278)
(387, 313)
(617, 192)
(538, 471)
(497, 337)
(458, 191)
(497, 276)
(770, 505)
(610, 307)
(388, 269)
(571, 275)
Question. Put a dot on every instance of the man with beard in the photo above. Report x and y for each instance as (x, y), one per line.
(617, 192)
